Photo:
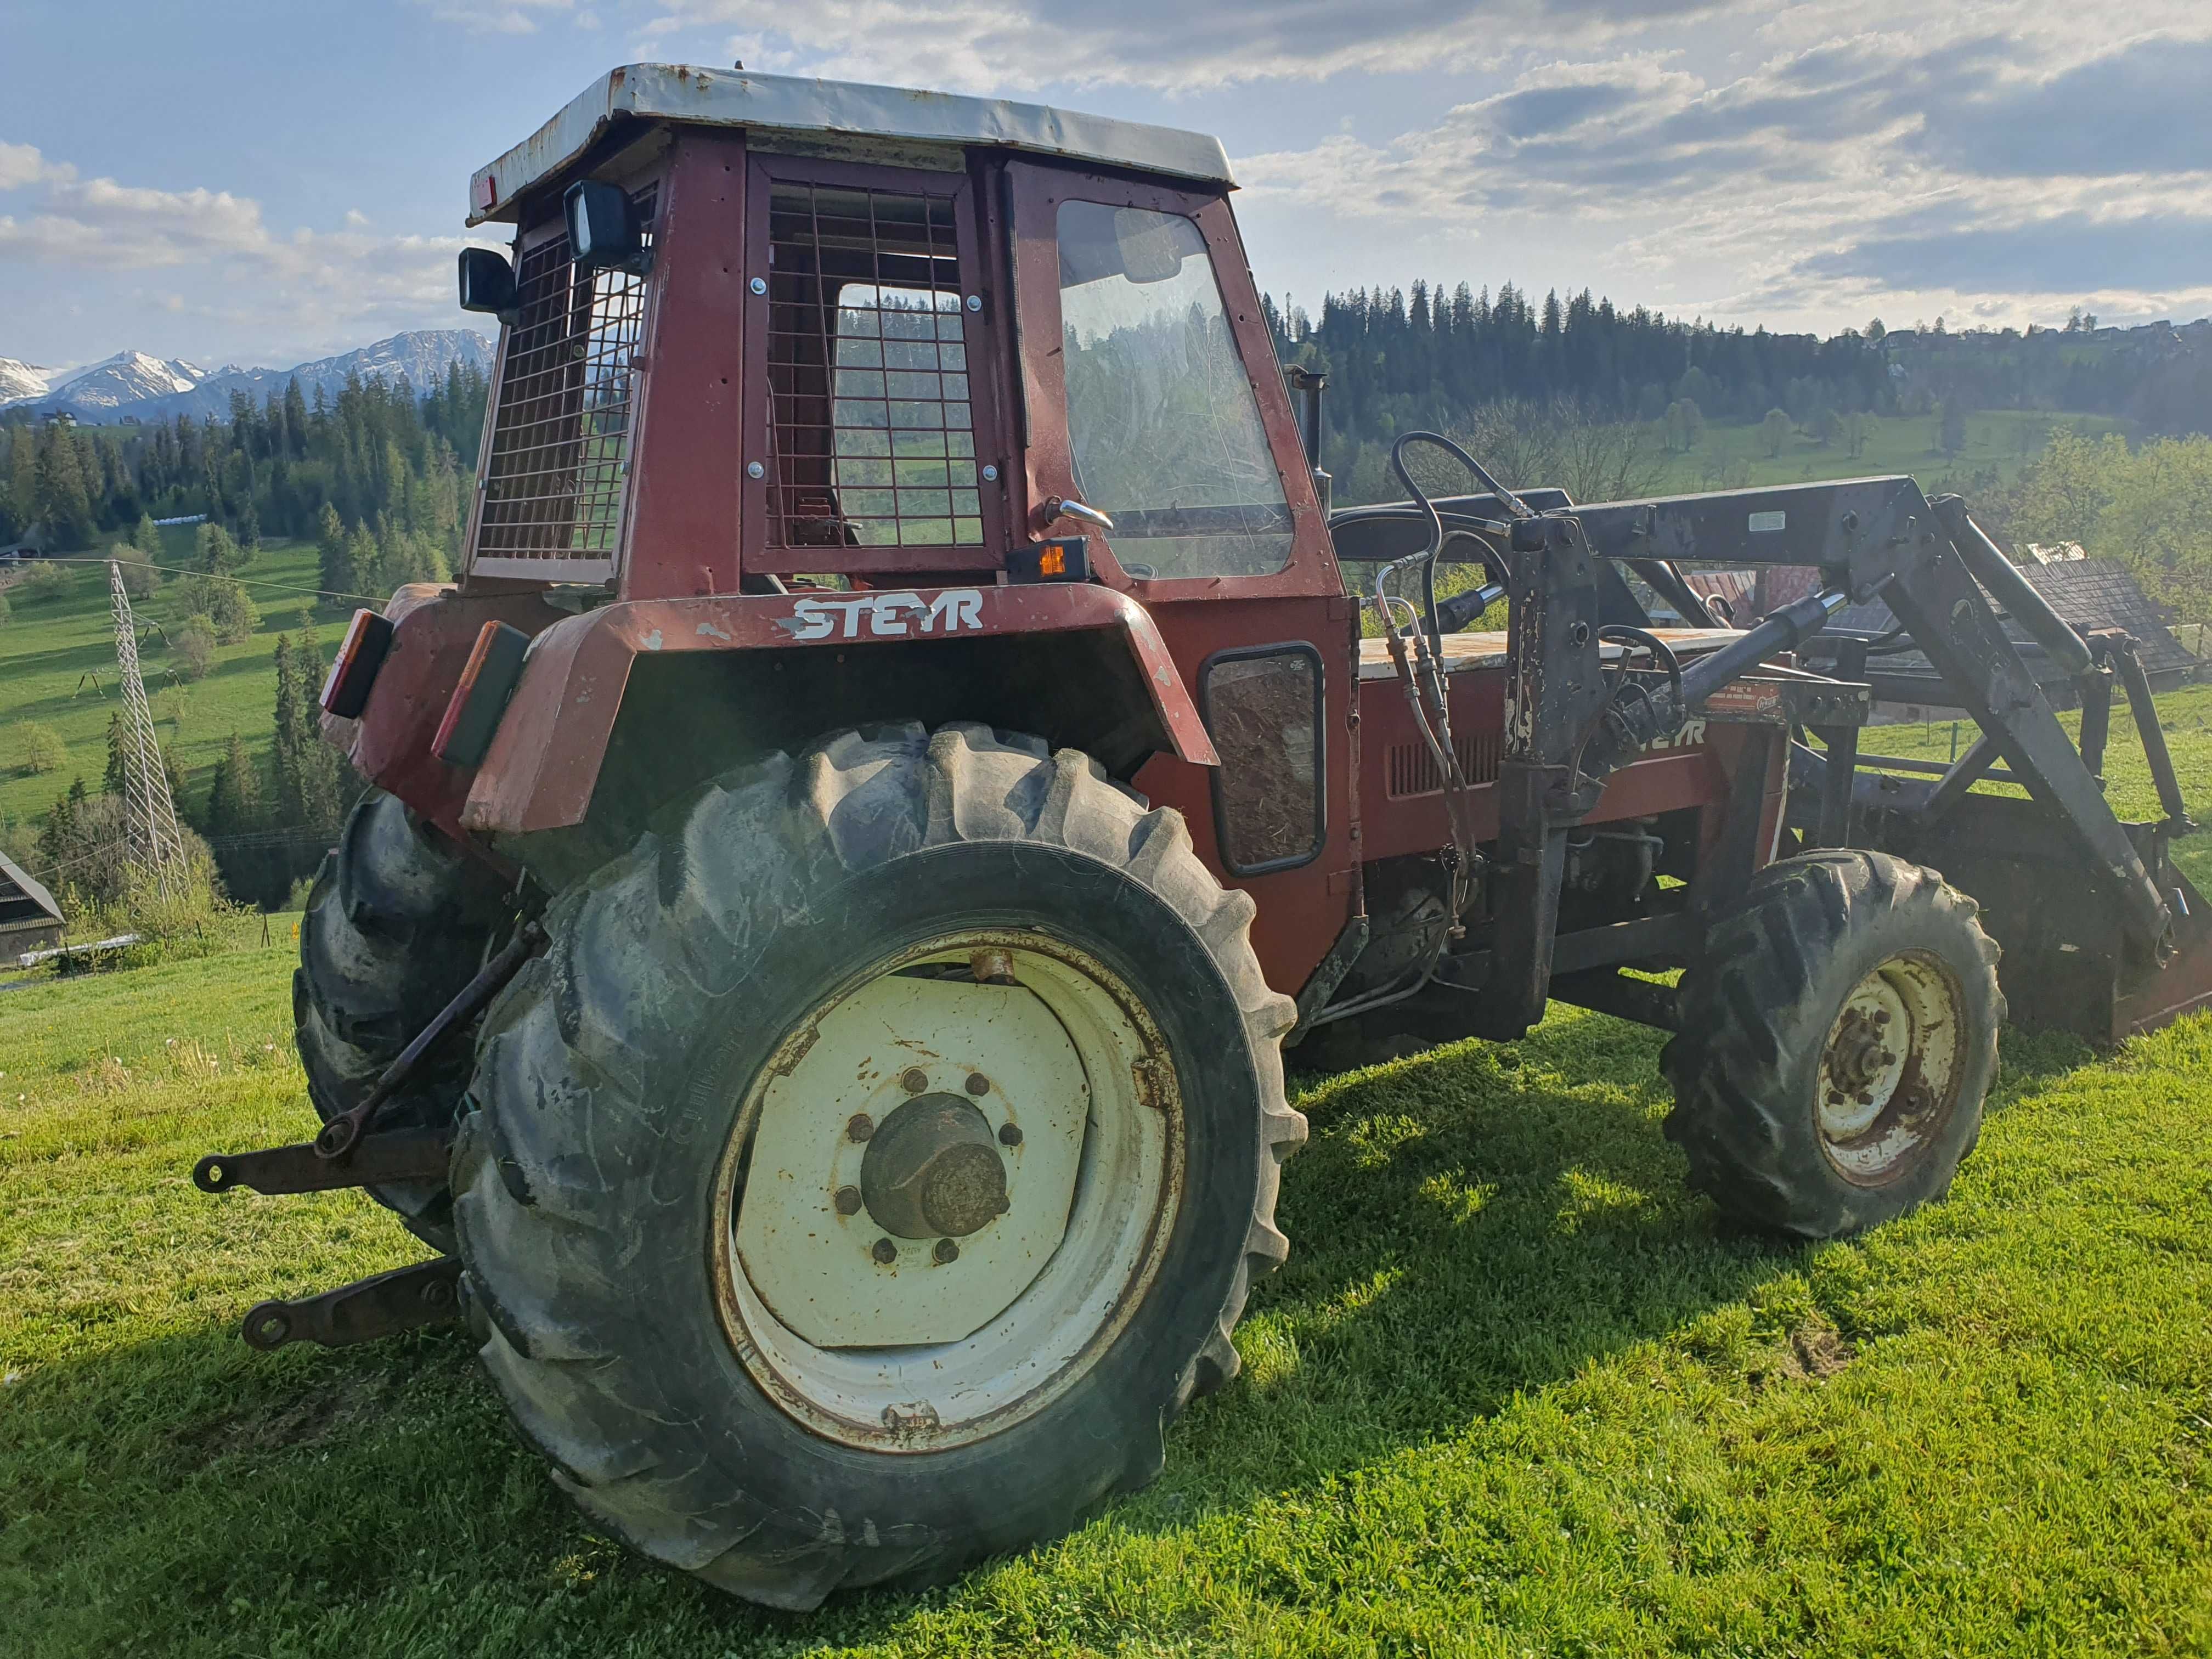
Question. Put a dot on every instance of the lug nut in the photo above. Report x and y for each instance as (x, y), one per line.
(860, 1127)
(847, 1200)
(1881, 1016)
(978, 1083)
(913, 1080)
(946, 1251)
(1887, 1058)
(1010, 1135)
(885, 1252)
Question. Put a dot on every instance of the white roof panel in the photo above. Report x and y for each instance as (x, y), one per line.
(785, 103)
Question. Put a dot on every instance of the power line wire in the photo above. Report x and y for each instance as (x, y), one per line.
(249, 581)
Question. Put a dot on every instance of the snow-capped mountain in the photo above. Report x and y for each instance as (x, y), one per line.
(21, 380)
(113, 383)
(422, 357)
(132, 385)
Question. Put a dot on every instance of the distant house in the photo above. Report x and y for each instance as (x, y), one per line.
(2088, 592)
(29, 918)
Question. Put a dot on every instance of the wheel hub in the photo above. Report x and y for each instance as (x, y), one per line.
(933, 1170)
(1889, 1066)
(947, 1189)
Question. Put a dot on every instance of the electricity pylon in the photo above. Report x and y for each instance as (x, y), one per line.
(156, 848)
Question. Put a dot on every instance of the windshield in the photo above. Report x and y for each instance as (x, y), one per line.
(1165, 432)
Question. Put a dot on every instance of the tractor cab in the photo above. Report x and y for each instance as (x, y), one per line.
(762, 328)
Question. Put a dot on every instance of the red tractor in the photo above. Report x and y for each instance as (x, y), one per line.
(900, 764)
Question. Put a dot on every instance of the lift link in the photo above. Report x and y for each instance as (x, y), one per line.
(342, 1133)
(404, 1299)
(396, 1155)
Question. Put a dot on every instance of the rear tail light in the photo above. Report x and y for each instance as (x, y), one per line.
(345, 690)
(487, 681)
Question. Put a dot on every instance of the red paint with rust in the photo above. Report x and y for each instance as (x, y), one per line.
(544, 761)
(390, 742)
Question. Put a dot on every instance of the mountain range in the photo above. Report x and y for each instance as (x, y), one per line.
(132, 387)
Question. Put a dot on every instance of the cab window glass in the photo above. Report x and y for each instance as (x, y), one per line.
(1165, 431)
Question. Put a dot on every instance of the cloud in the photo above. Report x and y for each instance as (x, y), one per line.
(222, 260)
(2132, 111)
(2066, 253)
(22, 164)
(513, 17)
(992, 44)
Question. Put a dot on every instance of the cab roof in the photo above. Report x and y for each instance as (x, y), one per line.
(794, 104)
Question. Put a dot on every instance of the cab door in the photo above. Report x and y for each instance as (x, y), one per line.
(1149, 391)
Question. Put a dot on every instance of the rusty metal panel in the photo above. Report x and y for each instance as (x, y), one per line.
(544, 762)
(794, 104)
(433, 634)
(684, 499)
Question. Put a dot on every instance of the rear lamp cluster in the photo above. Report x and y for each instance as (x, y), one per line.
(345, 689)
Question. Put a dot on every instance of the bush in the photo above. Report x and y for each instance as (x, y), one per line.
(38, 748)
(191, 641)
(44, 580)
(3, 607)
(228, 608)
(216, 551)
(139, 576)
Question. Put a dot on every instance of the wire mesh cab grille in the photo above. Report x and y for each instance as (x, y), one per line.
(871, 425)
(557, 474)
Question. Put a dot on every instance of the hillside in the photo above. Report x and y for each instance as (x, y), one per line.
(49, 649)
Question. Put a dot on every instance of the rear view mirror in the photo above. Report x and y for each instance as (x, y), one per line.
(1147, 243)
(603, 233)
(488, 283)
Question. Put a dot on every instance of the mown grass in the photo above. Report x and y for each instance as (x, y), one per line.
(2185, 716)
(2001, 441)
(1516, 1391)
(49, 650)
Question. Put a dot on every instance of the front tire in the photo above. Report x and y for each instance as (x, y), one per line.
(1838, 1035)
(698, 1203)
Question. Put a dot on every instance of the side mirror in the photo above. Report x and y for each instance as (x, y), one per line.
(603, 233)
(488, 283)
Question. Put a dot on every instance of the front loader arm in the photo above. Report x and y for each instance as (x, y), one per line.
(1930, 563)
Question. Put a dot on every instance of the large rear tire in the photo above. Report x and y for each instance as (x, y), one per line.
(909, 984)
(1837, 1039)
(396, 924)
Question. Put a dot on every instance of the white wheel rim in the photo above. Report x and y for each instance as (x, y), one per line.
(1890, 1070)
(920, 1352)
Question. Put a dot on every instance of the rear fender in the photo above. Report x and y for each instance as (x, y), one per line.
(433, 629)
(677, 688)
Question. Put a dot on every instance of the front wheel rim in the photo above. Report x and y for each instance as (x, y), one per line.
(1890, 1069)
(1007, 1041)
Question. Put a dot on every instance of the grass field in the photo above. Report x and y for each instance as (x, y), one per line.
(2002, 440)
(1516, 1392)
(49, 650)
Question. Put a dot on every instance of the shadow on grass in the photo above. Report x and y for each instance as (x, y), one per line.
(1473, 1223)
(1468, 1226)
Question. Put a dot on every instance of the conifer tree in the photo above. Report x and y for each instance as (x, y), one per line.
(64, 502)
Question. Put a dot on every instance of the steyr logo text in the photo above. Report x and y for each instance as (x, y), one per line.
(947, 612)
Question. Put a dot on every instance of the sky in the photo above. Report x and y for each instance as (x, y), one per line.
(264, 181)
